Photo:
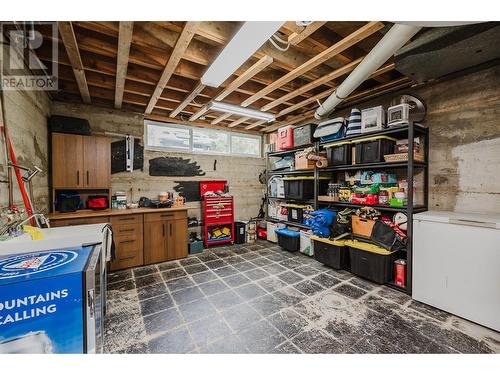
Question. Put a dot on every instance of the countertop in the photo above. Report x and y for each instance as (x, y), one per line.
(53, 238)
(112, 212)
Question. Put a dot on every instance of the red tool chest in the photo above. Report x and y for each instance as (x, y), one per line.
(218, 214)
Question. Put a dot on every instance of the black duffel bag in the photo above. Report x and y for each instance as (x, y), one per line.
(385, 236)
(341, 226)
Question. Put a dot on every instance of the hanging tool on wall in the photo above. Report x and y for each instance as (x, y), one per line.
(12, 164)
(6, 151)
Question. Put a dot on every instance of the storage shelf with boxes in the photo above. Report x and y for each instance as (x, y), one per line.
(373, 167)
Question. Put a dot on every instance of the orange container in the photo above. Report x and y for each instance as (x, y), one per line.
(362, 227)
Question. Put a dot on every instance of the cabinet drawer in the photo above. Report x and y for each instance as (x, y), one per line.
(161, 216)
(129, 252)
(127, 229)
(82, 221)
(125, 219)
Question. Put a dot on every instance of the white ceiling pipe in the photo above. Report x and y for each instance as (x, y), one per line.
(392, 41)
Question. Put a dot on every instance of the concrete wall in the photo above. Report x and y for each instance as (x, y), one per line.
(463, 116)
(26, 115)
(241, 172)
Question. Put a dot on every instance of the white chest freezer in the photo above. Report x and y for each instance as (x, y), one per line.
(456, 264)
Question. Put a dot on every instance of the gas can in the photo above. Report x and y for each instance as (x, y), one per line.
(400, 273)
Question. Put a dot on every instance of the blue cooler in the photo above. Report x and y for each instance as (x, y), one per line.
(288, 239)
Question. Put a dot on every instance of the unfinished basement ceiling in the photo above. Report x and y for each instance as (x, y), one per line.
(286, 83)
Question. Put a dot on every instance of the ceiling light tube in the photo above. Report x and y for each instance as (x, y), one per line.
(249, 38)
(241, 111)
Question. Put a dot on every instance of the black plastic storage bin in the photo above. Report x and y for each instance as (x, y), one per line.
(339, 153)
(371, 262)
(288, 239)
(303, 135)
(331, 253)
(295, 214)
(302, 187)
(373, 149)
(240, 232)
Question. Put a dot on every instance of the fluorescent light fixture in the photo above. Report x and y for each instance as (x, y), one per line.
(249, 38)
(241, 111)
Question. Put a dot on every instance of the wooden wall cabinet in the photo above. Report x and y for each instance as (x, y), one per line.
(80, 162)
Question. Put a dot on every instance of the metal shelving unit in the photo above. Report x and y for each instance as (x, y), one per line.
(411, 166)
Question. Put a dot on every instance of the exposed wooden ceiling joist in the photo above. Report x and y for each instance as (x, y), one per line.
(355, 96)
(177, 53)
(326, 93)
(199, 88)
(282, 85)
(345, 43)
(69, 40)
(124, 39)
(297, 37)
(252, 71)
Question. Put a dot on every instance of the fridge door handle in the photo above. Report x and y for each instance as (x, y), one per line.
(91, 302)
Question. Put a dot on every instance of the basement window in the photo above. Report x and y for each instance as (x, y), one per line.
(161, 136)
(247, 145)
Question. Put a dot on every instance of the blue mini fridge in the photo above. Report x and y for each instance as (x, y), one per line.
(51, 301)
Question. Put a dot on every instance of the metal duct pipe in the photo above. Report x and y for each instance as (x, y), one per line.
(395, 38)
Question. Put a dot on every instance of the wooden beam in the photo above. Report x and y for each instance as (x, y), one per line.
(355, 96)
(363, 32)
(311, 85)
(326, 93)
(252, 71)
(297, 37)
(69, 41)
(222, 32)
(180, 47)
(237, 122)
(290, 121)
(337, 48)
(124, 39)
(165, 118)
(199, 88)
(220, 118)
(255, 124)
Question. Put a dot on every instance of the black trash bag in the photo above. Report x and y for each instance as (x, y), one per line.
(385, 236)
(341, 226)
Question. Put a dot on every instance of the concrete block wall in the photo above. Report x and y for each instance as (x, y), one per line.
(25, 114)
(241, 172)
(463, 116)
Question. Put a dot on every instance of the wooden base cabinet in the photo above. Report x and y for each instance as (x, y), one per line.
(128, 238)
(165, 237)
(142, 238)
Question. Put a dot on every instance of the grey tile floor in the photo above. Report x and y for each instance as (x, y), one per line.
(260, 299)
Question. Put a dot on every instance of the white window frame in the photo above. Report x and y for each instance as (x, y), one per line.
(191, 151)
(250, 136)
